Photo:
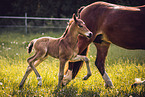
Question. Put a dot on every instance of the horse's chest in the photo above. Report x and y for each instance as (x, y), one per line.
(68, 52)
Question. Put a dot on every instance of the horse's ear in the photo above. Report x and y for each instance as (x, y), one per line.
(74, 17)
(79, 11)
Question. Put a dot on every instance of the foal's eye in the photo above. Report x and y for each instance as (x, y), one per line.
(80, 26)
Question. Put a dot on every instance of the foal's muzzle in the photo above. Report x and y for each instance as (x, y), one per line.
(90, 34)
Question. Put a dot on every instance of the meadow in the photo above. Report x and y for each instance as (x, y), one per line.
(122, 66)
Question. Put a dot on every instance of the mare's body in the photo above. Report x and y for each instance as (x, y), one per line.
(110, 23)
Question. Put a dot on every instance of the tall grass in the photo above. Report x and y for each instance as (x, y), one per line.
(122, 65)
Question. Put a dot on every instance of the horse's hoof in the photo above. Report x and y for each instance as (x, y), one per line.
(40, 84)
(86, 77)
(20, 87)
(134, 85)
(63, 85)
(109, 85)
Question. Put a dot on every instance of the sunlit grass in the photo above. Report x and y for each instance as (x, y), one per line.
(123, 66)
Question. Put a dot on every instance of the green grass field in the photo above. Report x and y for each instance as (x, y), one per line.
(122, 65)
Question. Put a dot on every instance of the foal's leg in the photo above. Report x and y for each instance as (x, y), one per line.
(83, 58)
(76, 66)
(39, 56)
(61, 72)
(33, 62)
(26, 74)
(67, 78)
(28, 71)
(102, 50)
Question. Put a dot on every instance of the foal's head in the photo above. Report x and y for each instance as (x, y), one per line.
(81, 27)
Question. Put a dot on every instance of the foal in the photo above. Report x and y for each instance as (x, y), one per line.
(64, 48)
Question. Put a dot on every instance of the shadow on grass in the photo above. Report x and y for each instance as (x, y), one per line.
(75, 92)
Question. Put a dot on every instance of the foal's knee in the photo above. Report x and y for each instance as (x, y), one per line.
(28, 60)
(86, 60)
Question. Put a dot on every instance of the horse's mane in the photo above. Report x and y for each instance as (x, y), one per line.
(69, 23)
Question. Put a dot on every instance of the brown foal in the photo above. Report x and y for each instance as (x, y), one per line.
(64, 48)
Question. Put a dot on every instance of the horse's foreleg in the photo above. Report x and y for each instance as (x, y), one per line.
(102, 50)
(83, 58)
(83, 43)
(75, 66)
(61, 72)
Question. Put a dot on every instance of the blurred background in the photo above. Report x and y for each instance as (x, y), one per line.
(45, 8)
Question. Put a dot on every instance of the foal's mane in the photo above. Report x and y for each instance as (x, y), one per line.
(69, 23)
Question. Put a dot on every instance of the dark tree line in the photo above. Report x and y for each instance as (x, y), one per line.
(52, 8)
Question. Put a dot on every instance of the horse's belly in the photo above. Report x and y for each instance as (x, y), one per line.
(128, 41)
(126, 31)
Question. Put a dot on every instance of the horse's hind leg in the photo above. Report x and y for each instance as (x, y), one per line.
(25, 77)
(39, 56)
(33, 61)
(28, 71)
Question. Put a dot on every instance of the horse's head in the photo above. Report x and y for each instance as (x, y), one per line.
(81, 27)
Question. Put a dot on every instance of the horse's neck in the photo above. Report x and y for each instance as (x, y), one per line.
(71, 36)
(64, 34)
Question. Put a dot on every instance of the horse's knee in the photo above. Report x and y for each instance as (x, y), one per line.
(28, 60)
(86, 60)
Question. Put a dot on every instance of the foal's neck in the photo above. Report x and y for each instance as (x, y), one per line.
(71, 36)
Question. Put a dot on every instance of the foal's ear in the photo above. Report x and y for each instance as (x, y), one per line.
(74, 17)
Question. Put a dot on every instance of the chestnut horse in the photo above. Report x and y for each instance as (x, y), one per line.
(64, 48)
(121, 25)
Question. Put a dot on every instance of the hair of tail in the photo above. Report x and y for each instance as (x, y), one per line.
(30, 46)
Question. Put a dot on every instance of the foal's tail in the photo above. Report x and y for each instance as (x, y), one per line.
(30, 46)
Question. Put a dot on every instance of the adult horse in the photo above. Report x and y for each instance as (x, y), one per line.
(121, 25)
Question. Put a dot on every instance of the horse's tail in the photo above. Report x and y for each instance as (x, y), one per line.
(79, 11)
(30, 46)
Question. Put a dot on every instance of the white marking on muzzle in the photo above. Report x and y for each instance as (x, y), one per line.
(88, 34)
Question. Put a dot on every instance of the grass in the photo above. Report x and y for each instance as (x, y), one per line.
(122, 65)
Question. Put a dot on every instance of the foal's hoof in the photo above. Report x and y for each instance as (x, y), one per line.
(63, 85)
(40, 84)
(86, 77)
(20, 87)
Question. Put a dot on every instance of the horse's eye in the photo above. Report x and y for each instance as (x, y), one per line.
(80, 26)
